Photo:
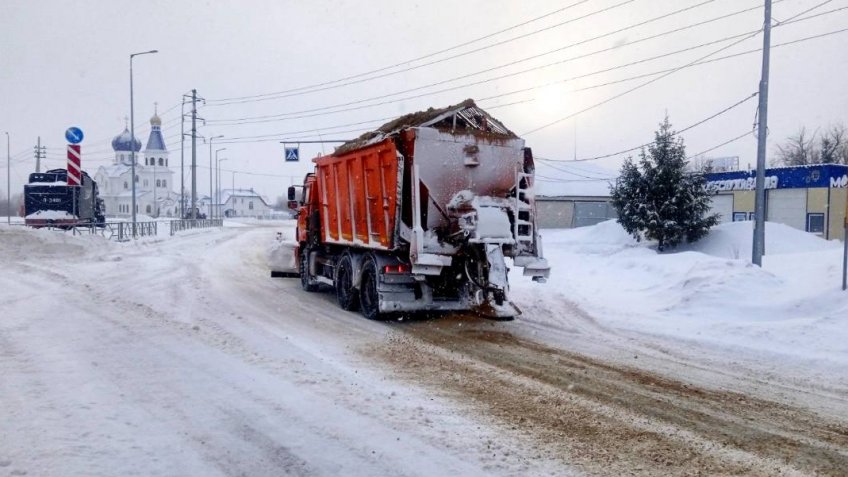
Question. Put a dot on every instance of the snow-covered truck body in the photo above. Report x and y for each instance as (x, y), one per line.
(420, 215)
(50, 201)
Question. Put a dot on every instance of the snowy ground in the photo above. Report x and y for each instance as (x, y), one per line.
(793, 308)
(180, 356)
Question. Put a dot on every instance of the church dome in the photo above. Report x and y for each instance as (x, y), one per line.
(122, 142)
(155, 120)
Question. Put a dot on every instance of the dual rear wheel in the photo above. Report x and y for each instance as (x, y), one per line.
(366, 298)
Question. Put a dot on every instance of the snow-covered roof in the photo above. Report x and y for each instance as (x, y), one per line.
(245, 193)
(121, 142)
(155, 142)
(572, 179)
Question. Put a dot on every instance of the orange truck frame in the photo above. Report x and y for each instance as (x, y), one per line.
(421, 215)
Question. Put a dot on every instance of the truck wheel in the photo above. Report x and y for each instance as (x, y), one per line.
(346, 294)
(305, 281)
(368, 296)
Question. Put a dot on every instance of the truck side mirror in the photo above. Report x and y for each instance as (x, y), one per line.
(292, 194)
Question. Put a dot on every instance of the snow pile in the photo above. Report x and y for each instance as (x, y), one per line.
(51, 215)
(707, 291)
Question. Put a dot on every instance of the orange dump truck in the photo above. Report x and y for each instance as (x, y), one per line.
(421, 215)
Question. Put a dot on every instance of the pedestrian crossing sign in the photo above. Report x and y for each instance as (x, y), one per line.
(292, 154)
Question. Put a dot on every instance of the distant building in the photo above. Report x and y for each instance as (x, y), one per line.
(243, 203)
(570, 194)
(713, 164)
(154, 179)
(810, 198)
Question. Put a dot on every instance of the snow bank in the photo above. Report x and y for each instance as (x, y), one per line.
(707, 291)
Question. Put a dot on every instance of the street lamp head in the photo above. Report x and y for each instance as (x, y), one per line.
(144, 53)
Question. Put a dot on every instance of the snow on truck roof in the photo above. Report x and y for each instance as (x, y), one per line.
(464, 117)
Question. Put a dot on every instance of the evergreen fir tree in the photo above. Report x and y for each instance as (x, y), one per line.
(658, 199)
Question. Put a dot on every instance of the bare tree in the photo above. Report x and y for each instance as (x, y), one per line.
(828, 147)
(834, 145)
(798, 150)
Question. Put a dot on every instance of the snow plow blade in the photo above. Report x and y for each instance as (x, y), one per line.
(281, 260)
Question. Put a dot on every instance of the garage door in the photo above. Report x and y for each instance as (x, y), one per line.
(787, 206)
(723, 206)
(591, 213)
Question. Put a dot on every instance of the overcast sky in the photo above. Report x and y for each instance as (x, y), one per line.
(66, 63)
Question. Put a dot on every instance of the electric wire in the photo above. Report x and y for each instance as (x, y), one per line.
(283, 94)
(521, 60)
(746, 35)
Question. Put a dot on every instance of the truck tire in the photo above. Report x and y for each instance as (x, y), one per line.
(305, 281)
(368, 297)
(345, 293)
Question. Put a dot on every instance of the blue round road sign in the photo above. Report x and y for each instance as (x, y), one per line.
(74, 135)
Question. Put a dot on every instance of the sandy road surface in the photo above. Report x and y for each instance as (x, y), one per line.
(611, 419)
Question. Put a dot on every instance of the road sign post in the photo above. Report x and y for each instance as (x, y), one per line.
(74, 136)
(74, 165)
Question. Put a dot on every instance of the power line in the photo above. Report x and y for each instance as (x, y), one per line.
(280, 136)
(636, 148)
(429, 55)
(606, 70)
(466, 85)
(746, 133)
(522, 60)
(280, 95)
(642, 85)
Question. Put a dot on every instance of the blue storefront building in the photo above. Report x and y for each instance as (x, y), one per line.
(810, 198)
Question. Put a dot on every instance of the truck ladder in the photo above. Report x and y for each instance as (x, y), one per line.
(524, 220)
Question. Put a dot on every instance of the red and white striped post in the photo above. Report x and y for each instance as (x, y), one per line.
(74, 167)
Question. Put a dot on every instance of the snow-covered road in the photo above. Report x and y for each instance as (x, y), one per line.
(182, 357)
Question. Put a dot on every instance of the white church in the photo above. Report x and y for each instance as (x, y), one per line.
(153, 178)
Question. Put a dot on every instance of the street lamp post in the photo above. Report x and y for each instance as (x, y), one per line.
(212, 176)
(211, 171)
(8, 182)
(132, 138)
(220, 206)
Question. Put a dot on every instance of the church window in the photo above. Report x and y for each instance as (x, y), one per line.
(126, 186)
(148, 208)
(158, 183)
(161, 162)
(166, 162)
(250, 205)
(164, 183)
(136, 179)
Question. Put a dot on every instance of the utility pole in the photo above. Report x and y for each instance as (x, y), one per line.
(8, 181)
(194, 154)
(40, 152)
(759, 245)
(211, 172)
(182, 157)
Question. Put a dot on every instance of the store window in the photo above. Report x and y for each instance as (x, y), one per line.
(740, 216)
(815, 223)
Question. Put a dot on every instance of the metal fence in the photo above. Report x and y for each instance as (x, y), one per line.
(180, 225)
(123, 231)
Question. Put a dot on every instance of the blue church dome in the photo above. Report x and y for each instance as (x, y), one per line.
(122, 142)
